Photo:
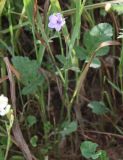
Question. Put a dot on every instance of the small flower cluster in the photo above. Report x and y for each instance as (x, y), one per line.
(56, 21)
(4, 106)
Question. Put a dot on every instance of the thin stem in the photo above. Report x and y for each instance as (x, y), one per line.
(61, 44)
(8, 142)
(91, 7)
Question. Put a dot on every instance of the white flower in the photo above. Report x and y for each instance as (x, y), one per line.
(4, 106)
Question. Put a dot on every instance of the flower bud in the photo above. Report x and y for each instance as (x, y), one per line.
(107, 7)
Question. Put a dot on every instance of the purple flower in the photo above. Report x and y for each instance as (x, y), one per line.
(56, 21)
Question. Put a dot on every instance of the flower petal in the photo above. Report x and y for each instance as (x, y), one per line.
(58, 28)
(4, 106)
(7, 109)
(56, 21)
(51, 25)
(53, 19)
(3, 101)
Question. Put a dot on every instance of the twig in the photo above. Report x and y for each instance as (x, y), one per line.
(105, 133)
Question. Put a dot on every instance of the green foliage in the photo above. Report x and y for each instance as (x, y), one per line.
(89, 151)
(102, 29)
(91, 41)
(2, 4)
(30, 76)
(18, 23)
(47, 127)
(118, 8)
(33, 86)
(29, 8)
(68, 128)
(98, 34)
(103, 155)
(67, 63)
(3, 140)
(114, 86)
(76, 28)
(81, 52)
(1, 154)
(98, 107)
(31, 120)
(95, 63)
(34, 140)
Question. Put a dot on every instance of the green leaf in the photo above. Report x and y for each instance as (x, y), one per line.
(3, 140)
(31, 120)
(68, 128)
(88, 149)
(98, 107)
(118, 8)
(61, 58)
(2, 4)
(95, 63)
(1, 155)
(92, 43)
(29, 71)
(96, 155)
(98, 34)
(34, 141)
(103, 155)
(33, 86)
(115, 87)
(102, 29)
(29, 8)
(27, 68)
(47, 127)
(81, 53)
(67, 63)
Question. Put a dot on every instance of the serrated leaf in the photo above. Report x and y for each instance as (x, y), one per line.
(29, 73)
(88, 149)
(27, 68)
(69, 128)
(98, 107)
(33, 86)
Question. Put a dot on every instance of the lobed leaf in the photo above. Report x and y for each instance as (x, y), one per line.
(29, 73)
